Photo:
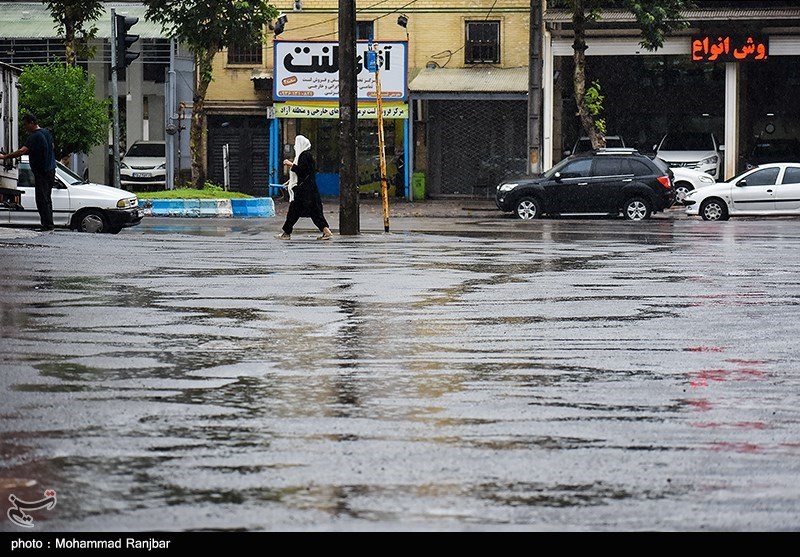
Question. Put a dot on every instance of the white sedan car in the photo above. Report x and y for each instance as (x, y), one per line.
(76, 204)
(770, 189)
(688, 179)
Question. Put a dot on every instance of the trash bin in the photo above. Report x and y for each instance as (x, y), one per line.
(418, 185)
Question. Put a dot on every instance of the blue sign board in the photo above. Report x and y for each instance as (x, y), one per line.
(372, 61)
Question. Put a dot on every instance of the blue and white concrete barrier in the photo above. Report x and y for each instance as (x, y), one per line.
(253, 207)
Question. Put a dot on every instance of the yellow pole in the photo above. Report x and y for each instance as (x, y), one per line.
(381, 144)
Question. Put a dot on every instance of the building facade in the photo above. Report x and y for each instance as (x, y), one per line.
(733, 71)
(464, 110)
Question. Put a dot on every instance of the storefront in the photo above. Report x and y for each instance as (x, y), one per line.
(306, 102)
(734, 73)
(470, 128)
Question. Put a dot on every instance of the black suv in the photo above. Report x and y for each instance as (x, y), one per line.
(607, 181)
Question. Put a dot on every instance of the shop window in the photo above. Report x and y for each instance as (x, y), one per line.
(246, 55)
(482, 42)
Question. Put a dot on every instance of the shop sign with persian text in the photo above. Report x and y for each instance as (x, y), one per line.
(729, 48)
(310, 71)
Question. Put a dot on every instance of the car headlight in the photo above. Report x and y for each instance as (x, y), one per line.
(507, 187)
(127, 202)
(710, 160)
(162, 167)
(706, 179)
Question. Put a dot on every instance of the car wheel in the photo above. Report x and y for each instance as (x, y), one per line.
(714, 209)
(528, 208)
(681, 190)
(91, 220)
(636, 208)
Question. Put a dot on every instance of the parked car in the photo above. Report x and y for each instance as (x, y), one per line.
(585, 144)
(607, 181)
(770, 189)
(688, 179)
(774, 150)
(76, 204)
(700, 151)
(145, 164)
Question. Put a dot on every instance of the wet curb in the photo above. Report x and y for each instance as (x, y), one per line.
(238, 208)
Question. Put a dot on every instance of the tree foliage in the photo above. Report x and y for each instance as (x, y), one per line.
(655, 18)
(206, 27)
(75, 22)
(62, 99)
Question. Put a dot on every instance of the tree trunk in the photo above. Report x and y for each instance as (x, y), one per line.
(579, 78)
(69, 43)
(197, 130)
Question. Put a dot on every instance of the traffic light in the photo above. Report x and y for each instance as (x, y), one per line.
(124, 41)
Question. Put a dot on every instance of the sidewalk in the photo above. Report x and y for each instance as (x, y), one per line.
(400, 208)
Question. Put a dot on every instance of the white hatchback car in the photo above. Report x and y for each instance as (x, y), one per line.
(770, 189)
(76, 204)
(145, 164)
(688, 179)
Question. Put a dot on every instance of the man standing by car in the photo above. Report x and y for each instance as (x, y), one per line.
(41, 154)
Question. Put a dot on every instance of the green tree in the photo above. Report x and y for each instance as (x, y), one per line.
(62, 99)
(74, 20)
(205, 27)
(656, 19)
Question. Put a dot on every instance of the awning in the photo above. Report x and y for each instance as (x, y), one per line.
(758, 14)
(470, 83)
(32, 20)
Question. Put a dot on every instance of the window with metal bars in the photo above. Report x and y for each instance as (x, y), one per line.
(246, 55)
(482, 42)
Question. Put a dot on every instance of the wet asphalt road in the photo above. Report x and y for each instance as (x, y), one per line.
(478, 373)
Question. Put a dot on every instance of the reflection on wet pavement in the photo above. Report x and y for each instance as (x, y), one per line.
(572, 375)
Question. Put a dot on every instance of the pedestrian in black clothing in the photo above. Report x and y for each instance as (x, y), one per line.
(304, 198)
(41, 155)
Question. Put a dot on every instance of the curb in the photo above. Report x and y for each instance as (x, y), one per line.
(238, 208)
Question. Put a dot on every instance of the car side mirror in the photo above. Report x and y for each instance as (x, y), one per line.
(567, 152)
(722, 148)
(557, 176)
(655, 148)
(741, 183)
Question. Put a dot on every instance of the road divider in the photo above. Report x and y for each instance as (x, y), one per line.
(251, 207)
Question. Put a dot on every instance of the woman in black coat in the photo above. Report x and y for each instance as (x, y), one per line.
(304, 198)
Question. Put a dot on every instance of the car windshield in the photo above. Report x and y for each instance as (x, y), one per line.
(64, 174)
(688, 142)
(154, 150)
(68, 176)
(557, 168)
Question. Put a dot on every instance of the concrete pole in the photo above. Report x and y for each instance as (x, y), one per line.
(535, 89)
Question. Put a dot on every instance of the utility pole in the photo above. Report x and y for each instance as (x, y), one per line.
(115, 97)
(349, 224)
(535, 89)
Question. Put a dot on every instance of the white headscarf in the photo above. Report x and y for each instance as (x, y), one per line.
(301, 143)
